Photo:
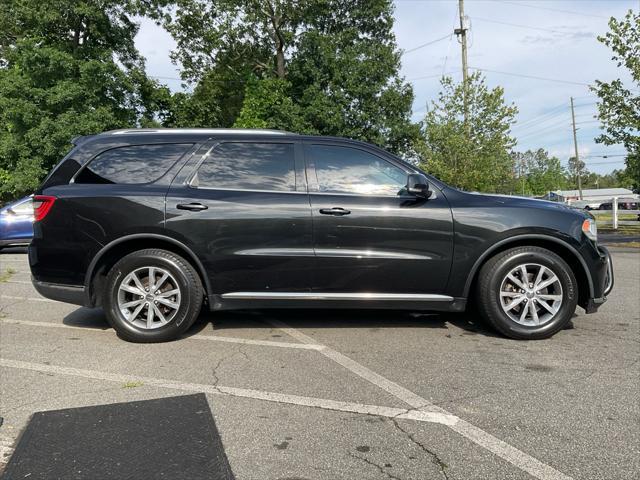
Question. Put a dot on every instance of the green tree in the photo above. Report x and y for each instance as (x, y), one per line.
(538, 173)
(326, 67)
(472, 155)
(619, 106)
(574, 166)
(67, 69)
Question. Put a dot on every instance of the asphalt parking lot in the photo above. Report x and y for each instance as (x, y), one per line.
(353, 395)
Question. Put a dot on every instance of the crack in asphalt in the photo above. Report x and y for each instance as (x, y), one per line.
(373, 464)
(435, 458)
(214, 371)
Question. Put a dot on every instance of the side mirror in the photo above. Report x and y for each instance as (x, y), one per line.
(418, 185)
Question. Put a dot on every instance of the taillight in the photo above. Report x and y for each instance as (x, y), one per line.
(41, 206)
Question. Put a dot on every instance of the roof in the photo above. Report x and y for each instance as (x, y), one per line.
(196, 131)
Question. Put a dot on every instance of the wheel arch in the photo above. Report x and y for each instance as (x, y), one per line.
(556, 245)
(108, 255)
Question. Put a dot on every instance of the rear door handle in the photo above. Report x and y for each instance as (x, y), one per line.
(337, 211)
(194, 207)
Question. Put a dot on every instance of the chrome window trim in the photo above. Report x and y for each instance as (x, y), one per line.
(240, 190)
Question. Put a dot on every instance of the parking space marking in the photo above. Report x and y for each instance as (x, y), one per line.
(313, 402)
(23, 282)
(27, 299)
(507, 452)
(215, 338)
(6, 449)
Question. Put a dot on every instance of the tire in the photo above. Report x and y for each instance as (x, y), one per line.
(560, 296)
(174, 306)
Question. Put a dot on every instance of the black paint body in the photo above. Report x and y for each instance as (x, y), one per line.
(264, 241)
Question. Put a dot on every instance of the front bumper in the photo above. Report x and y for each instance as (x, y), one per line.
(603, 283)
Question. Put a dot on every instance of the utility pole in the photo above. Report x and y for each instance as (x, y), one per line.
(462, 33)
(575, 146)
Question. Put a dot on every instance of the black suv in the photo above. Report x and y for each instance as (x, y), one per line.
(149, 224)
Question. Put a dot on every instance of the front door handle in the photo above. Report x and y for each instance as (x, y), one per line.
(194, 207)
(337, 211)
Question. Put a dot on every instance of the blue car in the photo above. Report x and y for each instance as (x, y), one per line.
(16, 223)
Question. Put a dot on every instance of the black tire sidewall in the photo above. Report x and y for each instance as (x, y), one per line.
(180, 322)
(569, 291)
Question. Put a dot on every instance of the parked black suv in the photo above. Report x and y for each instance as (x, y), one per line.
(149, 223)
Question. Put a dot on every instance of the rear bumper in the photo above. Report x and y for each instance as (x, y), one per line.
(603, 282)
(61, 293)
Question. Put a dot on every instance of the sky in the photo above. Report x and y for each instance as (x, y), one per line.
(510, 41)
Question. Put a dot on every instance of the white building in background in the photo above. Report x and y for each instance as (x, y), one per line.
(591, 197)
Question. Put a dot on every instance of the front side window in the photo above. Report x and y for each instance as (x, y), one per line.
(249, 166)
(351, 170)
(132, 165)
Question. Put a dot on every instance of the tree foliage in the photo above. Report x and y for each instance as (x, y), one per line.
(324, 67)
(66, 69)
(538, 173)
(472, 155)
(619, 106)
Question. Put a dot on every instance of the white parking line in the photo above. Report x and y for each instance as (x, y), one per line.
(6, 449)
(478, 436)
(389, 412)
(22, 282)
(27, 299)
(214, 338)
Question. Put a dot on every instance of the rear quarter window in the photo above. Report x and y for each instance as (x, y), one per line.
(135, 164)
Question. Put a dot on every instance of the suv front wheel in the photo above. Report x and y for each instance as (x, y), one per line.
(152, 296)
(527, 293)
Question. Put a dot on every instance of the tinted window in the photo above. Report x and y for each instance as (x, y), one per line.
(350, 170)
(134, 164)
(249, 166)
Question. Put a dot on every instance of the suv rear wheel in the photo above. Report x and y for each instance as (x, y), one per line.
(527, 293)
(152, 296)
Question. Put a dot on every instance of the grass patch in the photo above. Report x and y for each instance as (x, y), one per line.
(608, 217)
(132, 384)
(625, 245)
(6, 275)
(622, 229)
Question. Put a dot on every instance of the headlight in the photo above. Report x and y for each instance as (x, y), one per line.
(590, 229)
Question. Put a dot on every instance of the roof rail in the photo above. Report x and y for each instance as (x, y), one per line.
(225, 131)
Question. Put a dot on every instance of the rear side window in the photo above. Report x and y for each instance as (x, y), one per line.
(132, 165)
(249, 166)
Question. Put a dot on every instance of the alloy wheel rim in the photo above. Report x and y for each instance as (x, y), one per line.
(531, 294)
(149, 297)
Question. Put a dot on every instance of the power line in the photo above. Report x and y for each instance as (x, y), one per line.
(165, 78)
(522, 26)
(535, 133)
(606, 155)
(551, 113)
(605, 163)
(531, 76)
(430, 76)
(427, 44)
(553, 9)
